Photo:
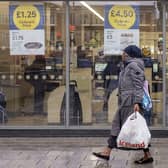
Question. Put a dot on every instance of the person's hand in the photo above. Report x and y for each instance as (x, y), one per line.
(136, 107)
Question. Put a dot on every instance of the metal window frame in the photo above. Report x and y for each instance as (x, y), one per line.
(67, 63)
(164, 62)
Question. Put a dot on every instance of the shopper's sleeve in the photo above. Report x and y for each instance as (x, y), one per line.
(137, 76)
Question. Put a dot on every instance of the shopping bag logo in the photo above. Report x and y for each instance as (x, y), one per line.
(129, 145)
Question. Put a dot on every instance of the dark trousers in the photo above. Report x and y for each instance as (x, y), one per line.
(112, 143)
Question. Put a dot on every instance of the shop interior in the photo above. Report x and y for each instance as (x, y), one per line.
(34, 86)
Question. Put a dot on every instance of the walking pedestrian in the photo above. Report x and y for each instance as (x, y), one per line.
(130, 93)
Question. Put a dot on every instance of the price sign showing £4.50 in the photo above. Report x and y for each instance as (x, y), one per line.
(26, 17)
(122, 17)
(121, 28)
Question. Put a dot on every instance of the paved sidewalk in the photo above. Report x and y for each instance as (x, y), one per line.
(73, 153)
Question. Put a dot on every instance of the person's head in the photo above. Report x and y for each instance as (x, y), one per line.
(131, 51)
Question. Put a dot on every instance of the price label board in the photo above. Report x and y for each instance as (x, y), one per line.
(27, 30)
(121, 17)
(121, 28)
(26, 17)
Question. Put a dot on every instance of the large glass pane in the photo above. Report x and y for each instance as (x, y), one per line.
(157, 65)
(32, 78)
(96, 72)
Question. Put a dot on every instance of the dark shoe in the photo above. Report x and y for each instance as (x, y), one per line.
(149, 145)
(99, 155)
(144, 161)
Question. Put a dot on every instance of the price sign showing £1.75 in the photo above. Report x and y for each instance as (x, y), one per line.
(121, 17)
(26, 17)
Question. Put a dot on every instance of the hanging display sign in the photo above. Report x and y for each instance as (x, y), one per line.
(121, 28)
(27, 30)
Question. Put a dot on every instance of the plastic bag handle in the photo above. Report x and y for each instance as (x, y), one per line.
(136, 113)
(135, 116)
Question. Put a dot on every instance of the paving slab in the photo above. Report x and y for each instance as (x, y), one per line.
(75, 153)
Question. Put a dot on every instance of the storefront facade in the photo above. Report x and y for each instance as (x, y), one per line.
(60, 60)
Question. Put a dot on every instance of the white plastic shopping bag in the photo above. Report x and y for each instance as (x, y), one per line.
(134, 133)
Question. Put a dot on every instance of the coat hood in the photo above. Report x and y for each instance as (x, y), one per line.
(138, 61)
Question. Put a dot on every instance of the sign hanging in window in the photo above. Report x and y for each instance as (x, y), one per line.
(121, 28)
(27, 30)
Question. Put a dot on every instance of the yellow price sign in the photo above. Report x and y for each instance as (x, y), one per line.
(122, 17)
(26, 17)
